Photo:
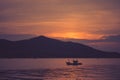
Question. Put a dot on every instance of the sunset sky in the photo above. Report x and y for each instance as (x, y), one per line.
(93, 22)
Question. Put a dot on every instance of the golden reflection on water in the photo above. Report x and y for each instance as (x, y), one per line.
(73, 74)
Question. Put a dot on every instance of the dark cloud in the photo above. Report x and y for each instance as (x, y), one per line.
(15, 37)
(114, 38)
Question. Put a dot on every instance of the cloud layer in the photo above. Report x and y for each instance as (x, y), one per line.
(91, 16)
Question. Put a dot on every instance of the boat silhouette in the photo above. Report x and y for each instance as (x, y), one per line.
(74, 62)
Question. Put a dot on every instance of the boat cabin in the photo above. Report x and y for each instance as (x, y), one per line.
(74, 63)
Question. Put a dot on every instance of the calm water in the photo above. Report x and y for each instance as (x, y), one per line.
(56, 69)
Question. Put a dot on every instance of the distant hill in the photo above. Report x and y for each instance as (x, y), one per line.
(44, 47)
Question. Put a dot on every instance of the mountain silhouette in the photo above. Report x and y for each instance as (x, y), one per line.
(44, 47)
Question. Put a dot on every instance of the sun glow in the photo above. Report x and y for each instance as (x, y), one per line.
(76, 35)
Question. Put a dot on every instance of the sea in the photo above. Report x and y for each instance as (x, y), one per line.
(56, 69)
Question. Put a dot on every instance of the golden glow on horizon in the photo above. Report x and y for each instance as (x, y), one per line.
(76, 35)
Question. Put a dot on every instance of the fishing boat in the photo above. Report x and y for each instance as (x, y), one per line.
(74, 62)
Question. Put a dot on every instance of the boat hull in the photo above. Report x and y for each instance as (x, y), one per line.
(74, 64)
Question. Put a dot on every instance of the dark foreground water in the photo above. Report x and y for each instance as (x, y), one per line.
(56, 69)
